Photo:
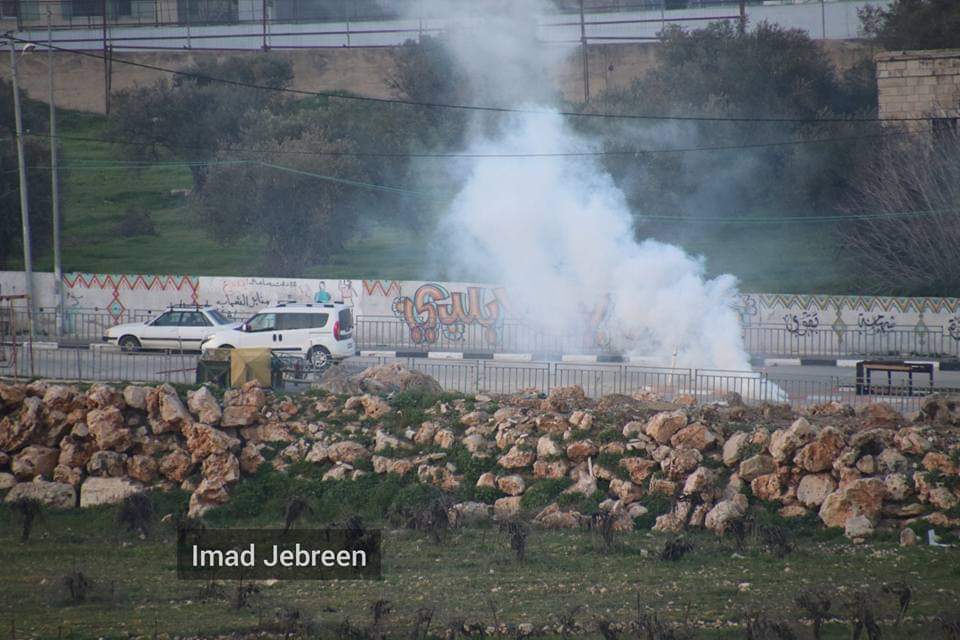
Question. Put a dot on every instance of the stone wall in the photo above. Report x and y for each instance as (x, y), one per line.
(80, 79)
(920, 84)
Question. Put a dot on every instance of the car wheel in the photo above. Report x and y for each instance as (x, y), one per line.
(129, 344)
(319, 357)
(225, 346)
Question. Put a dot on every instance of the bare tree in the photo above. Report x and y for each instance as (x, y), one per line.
(903, 236)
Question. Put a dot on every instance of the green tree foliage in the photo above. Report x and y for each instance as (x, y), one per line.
(300, 217)
(38, 179)
(192, 116)
(718, 71)
(913, 24)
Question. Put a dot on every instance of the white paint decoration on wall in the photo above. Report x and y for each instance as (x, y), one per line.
(433, 311)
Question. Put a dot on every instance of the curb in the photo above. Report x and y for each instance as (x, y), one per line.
(939, 365)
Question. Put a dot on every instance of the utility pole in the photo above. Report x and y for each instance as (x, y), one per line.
(743, 17)
(586, 59)
(823, 20)
(54, 180)
(24, 201)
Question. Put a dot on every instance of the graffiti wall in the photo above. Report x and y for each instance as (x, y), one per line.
(432, 312)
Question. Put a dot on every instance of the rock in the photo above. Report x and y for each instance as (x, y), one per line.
(566, 399)
(625, 491)
(4, 460)
(555, 469)
(222, 468)
(552, 517)
(911, 441)
(675, 521)
(733, 447)
(581, 450)
(585, 485)
(662, 426)
(475, 443)
(581, 420)
(547, 448)
(7, 480)
(25, 428)
(861, 497)
(892, 461)
(858, 526)
(700, 481)
(680, 462)
(107, 428)
(766, 487)
(758, 465)
(135, 396)
(511, 485)
(469, 513)
(506, 508)
(142, 468)
(240, 416)
(942, 498)
(251, 459)
(75, 452)
(908, 538)
(95, 491)
(107, 464)
(898, 487)
(383, 441)
(867, 465)
(207, 495)
(176, 466)
(57, 495)
(820, 454)
(170, 410)
(390, 378)
(475, 418)
(203, 440)
(339, 471)
(793, 511)
(203, 405)
(695, 436)
(783, 442)
(941, 410)
(425, 433)
(936, 461)
(726, 512)
(11, 395)
(832, 409)
(318, 454)
(59, 397)
(374, 407)
(639, 468)
(633, 428)
(517, 458)
(347, 451)
(34, 461)
(445, 439)
(880, 414)
(814, 489)
(487, 480)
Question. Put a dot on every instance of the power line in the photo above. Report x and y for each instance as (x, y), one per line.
(468, 107)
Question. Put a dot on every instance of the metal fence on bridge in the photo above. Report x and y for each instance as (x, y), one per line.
(474, 376)
(86, 326)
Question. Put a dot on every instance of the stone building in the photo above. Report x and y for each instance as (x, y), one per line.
(924, 84)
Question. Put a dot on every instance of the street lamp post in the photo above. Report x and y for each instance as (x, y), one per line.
(24, 200)
(54, 181)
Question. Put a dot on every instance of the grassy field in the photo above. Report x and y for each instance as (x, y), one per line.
(789, 258)
(472, 576)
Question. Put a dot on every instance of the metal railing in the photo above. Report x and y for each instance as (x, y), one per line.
(474, 376)
(86, 326)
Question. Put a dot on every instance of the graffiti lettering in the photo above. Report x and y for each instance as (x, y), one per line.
(433, 311)
(877, 323)
(807, 322)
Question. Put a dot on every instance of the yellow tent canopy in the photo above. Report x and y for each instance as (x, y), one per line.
(250, 364)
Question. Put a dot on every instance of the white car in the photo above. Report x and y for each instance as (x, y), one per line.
(320, 332)
(180, 328)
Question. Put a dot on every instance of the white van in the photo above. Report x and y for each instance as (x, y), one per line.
(322, 332)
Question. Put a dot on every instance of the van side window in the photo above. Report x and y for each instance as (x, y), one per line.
(263, 322)
(301, 320)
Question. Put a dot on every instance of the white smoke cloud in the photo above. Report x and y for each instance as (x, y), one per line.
(557, 232)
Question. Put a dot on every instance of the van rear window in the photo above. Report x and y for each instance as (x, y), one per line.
(346, 320)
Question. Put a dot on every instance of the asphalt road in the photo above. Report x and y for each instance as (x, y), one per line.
(799, 385)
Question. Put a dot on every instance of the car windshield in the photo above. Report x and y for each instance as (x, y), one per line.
(218, 317)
